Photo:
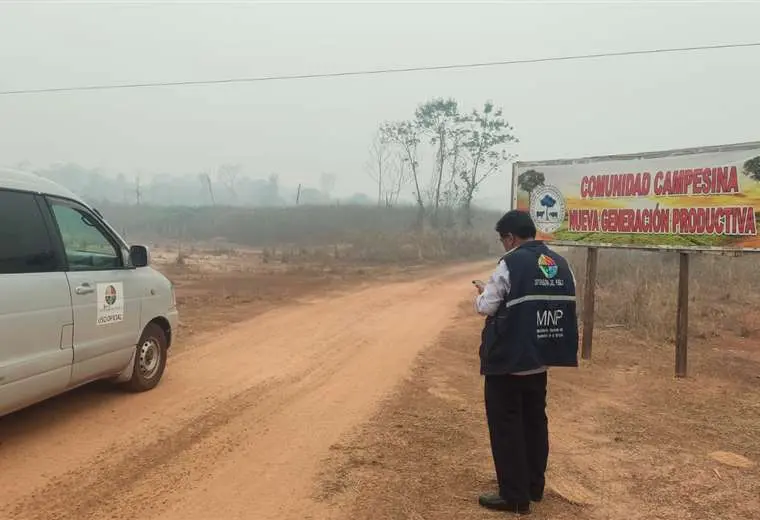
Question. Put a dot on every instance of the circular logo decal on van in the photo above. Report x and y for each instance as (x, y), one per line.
(110, 295)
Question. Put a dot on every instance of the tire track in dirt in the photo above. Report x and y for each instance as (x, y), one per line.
(124, 467)
(240, 425)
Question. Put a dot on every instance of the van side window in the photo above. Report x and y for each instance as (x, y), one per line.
(87, 248)
(25, 245)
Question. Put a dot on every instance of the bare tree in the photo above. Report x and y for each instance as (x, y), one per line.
(388, 168)
(397, 175)
(205, 179)
(327, 183)
(272, 194)
(228, 176)
(379, 157)
(138, 190)
(121, 181)
(406, 136)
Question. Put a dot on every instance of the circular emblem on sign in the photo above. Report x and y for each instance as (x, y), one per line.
(110, 295)
(547, 207)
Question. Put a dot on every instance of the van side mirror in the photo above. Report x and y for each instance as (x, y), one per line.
(138, 255)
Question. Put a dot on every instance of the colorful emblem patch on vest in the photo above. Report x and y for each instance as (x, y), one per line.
(548, 266)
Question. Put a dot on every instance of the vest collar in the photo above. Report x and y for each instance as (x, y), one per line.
(531, 244)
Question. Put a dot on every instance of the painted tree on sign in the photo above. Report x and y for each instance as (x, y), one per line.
(752, 168)
(529, 180)
(547, 202)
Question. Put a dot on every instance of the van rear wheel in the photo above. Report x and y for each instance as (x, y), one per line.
(150, 360)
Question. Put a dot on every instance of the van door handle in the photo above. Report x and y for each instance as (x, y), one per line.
(85, 288)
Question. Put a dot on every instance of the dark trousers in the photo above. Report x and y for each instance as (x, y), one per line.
(519, 430)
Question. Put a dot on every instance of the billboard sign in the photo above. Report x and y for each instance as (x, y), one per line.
(693, 198)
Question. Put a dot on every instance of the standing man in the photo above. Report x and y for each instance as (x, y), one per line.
(531, 324)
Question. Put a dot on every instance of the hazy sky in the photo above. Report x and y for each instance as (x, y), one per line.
(301, 128)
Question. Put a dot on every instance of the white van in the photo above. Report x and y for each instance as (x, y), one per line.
(77, 304)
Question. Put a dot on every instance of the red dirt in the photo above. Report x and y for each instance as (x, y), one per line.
(241, 422)
(628, 441)
(303, 396)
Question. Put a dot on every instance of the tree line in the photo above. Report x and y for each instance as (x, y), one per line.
(229, 184)
(436, 160)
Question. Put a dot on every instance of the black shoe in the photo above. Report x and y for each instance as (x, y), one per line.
(495, 502)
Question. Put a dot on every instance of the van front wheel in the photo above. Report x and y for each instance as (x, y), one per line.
(150, 360)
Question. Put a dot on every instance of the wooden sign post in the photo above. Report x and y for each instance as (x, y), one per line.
(682, 320)
(589, 297)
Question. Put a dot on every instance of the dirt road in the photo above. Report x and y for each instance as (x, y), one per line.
(241, 424)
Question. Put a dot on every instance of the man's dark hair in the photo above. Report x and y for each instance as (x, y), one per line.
(517, 223)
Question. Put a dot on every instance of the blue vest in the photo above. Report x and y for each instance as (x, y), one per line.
(536, 324)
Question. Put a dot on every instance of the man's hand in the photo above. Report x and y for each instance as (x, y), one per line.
(492, 295)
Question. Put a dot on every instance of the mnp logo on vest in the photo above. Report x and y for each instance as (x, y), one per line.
(549, 324)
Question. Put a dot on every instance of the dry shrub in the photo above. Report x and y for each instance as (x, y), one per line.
(638, 290)
(388, 248)
(223, 251)
(418, 247)
(267, 227)
(181, 259)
